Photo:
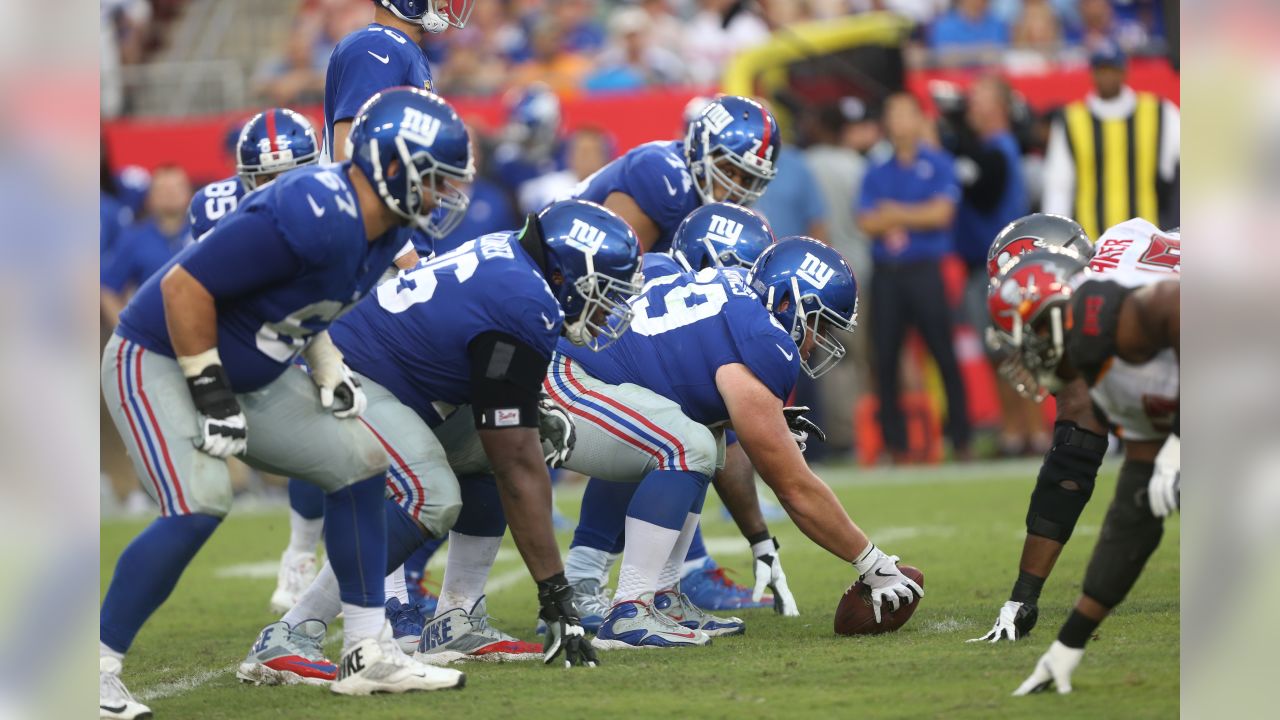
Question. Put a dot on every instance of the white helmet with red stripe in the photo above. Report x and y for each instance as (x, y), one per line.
(732, 150)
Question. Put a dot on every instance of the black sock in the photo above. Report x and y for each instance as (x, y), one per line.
(1027, 588)
(1076, 630)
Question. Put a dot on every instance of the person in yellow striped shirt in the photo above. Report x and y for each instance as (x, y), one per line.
(1113, 155)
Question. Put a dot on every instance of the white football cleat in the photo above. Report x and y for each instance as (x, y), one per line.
(297, 571)
(380, 666)
(1053, 668)
(114, 699)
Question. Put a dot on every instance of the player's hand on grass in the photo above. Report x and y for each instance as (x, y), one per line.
(1053, 668)
(1014, 622)
(1163, 490)
(802, 428)
(769, 574)
(887, 583)
(556, 430)
(223, 429)
(564, 628)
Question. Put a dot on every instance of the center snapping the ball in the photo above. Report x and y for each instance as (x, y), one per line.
(854, 615)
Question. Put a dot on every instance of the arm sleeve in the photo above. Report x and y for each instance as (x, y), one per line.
(243, 254)
(506, 381)
(1059, 172)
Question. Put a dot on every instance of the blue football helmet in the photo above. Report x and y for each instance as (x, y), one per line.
(410, 144)
(435, 16)
(533, 116)
(273, 141)
(805, 273)
(597, 256)
(732, 135)
(720, 235)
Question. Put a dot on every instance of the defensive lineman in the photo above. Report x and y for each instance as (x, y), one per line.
(201, 369)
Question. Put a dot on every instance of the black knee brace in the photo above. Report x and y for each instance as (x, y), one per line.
(1065, 482)
(1130, 533)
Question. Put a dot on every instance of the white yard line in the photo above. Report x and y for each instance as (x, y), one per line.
(181, 686)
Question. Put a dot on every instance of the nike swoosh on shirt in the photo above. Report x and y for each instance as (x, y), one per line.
(670, 189)
(547, 322)
(384, 59)
(785, 354)
(315, 207)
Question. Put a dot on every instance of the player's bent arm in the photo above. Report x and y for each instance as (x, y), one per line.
(341, 129)
(932, 214)
(626, 207)
(756, 414)
(1075, 405)
(1149, 322)
(876, 222)
(524, 485)
(189, 313)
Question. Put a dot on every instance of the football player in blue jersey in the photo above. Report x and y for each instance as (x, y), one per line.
(270, 143)
(473, 327)
(201, 368)
(644, 413)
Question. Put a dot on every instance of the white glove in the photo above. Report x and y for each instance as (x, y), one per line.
(555, 428)
(880, 573)
(1053, 668)
(1005, 627)
(223, 429)
(1163, 490)
(340, 390)
(768, 572)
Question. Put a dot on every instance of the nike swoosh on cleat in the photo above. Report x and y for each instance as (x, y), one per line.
(687, 636)
(110, 709)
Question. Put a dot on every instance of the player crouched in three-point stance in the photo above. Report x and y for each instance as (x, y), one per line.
(201, 368)
(645, 412)
(1115, 327)
(475, 326)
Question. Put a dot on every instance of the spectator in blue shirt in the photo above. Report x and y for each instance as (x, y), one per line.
(793, 203)
(147, 245)
(907, 207)
(970, 25)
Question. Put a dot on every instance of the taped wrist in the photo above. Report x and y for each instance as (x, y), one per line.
(763, 544)
(1027, 588)
(209, 385)
(506, 381)
(1066, 481)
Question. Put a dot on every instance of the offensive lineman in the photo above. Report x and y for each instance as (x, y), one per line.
(200, 368)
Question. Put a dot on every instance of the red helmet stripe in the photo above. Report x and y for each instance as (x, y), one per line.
(764, 139)
(271, 128)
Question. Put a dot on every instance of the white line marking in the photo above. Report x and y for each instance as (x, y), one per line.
(253, 571)
(183, 685)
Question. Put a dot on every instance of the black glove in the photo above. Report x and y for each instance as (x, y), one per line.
(801, 426)
(564, 628)
(223, 430)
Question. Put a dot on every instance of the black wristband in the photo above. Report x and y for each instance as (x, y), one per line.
(212, 394)
(1027, 588)
(1076, 630)
(761, 537)
(552, 582)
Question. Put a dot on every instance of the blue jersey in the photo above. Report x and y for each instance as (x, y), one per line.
(490, 211)
(657, 177)
(213, 202)
(139, 252)
(366, 62)
(289, 261)
(412, 335)
(688, 326)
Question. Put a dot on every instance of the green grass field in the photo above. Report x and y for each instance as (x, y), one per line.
(961, 525)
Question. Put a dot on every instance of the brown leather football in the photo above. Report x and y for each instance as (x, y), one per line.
(854, 615)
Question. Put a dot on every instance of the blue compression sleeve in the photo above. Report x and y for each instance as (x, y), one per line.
(306, 499)
(603, 516)
(355, 538)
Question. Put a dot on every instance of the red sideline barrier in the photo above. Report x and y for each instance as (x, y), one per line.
(196, 143)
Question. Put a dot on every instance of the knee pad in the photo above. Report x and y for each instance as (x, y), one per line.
(1130, 533)
(1066, 481)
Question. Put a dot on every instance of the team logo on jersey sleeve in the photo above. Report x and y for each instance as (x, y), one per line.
(815, 271)
(422, 126)
(585, 237)
(724, 230)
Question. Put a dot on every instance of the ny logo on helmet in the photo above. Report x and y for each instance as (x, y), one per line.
(724, 230)
(717, 117)
(815, 271)
(420, 124)
(585, 237)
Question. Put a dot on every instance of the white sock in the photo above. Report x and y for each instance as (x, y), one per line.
(671, 572)
(304, 534)
(583, 562)
(470, 559)
(647, 550)
(688, 567)
(104, 651)
(395, 586)
(359, 623)
(320, 601)
(604, 575)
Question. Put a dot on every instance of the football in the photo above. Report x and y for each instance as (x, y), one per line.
(854, 615)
